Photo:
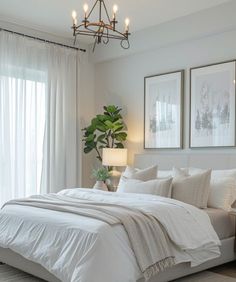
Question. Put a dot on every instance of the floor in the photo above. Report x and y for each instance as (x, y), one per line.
(224, 273)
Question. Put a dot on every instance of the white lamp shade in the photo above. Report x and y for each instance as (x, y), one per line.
(114, 157)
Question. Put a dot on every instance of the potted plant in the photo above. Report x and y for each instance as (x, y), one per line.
(101, 175)
(106, 130)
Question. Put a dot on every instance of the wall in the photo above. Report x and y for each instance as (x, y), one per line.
(204, 38)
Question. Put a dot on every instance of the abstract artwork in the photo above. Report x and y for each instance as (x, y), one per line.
(163, 111)
(212, 118)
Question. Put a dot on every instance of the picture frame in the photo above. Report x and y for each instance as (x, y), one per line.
(163, 110)
(212, 105)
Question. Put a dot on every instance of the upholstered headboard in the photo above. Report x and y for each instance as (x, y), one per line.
(224, 160)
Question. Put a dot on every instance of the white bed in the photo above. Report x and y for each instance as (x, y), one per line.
(12, 256)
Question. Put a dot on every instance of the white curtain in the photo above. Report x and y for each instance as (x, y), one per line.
(38, 117)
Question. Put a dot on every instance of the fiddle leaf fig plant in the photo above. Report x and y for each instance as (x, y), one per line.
(106, 130)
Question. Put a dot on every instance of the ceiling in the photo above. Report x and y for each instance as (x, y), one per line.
(54, 16)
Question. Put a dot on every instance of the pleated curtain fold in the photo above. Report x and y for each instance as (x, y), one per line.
(39, 128)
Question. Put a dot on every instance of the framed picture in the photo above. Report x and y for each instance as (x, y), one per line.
(212, 105)
(163, 110)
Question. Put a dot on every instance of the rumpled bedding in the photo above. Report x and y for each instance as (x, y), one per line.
(88, 235)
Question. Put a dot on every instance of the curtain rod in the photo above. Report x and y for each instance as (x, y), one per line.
(43, 40)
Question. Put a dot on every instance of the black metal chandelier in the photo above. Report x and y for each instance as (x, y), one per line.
(104, 29)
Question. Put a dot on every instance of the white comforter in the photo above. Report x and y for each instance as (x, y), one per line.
(80, 249)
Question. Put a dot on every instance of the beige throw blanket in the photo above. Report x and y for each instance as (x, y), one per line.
(148, 238)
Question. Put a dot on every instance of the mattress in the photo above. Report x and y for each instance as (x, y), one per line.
(223, 223)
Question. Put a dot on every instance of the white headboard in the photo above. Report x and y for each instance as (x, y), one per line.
(224, 160)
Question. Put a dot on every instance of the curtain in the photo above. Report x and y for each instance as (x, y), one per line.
(38, 117)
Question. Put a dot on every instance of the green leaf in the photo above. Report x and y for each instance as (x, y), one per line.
(109, 124)
(111, 109)
(87, 150)
(119, 145)
(90, 138)
(101, 137)
(118, 128)
(101, 118)
(91, 144)
(91, 129)
(102, 127)
(121, 136)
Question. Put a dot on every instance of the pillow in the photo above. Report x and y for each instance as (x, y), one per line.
(141, 174)
(180, 172)
(193, 190)
(222, 193)
(160, 187)
(164, 173)
(214, 173)
(224, 173)
(220, 197)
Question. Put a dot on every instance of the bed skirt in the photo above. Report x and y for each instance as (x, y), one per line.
(227, 254)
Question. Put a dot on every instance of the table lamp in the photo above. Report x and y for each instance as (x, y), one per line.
(114, 157)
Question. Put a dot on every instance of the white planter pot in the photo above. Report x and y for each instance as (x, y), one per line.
(100, 185)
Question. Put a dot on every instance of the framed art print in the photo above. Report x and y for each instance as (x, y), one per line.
(163, 110)
(212, 105)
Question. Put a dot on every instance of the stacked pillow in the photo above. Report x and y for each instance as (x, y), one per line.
(191, 189)
(199, 187)
(144, 181)
(220, 193)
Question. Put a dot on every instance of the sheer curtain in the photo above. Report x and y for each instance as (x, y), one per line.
(38, 117)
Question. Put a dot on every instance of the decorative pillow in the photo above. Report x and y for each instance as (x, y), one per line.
(193, 190)
(222, 193)
(220, 197)
(141, 174)
(160, 187)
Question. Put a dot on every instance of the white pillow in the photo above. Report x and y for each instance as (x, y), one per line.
(224, 173)
(193, 190)
(222, 193)
(164, 173)
(160, 187)
(141, 174)
(220, 197)
(180, 172)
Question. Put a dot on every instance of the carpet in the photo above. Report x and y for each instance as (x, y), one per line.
(10, 274)
(206, 276)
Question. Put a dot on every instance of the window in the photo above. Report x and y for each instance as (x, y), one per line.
(22, 127)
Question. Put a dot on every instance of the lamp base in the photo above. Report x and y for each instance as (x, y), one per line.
(114, 179)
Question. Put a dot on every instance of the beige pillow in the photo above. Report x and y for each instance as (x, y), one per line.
(222, 193)
(160, 187)
(141, 174)
(193, 190)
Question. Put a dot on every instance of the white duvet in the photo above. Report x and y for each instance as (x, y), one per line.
(80, 249)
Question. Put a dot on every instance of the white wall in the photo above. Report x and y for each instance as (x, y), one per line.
(120, 81)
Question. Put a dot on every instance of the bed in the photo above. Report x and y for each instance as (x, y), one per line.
(223, 224)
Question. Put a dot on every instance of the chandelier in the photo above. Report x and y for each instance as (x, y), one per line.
(102, 30)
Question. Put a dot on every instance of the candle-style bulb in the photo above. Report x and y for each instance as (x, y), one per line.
(74, 15)
(127, 22)
(115, 9)
(85, 8)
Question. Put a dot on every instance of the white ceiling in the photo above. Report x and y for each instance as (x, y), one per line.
(54, 16)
